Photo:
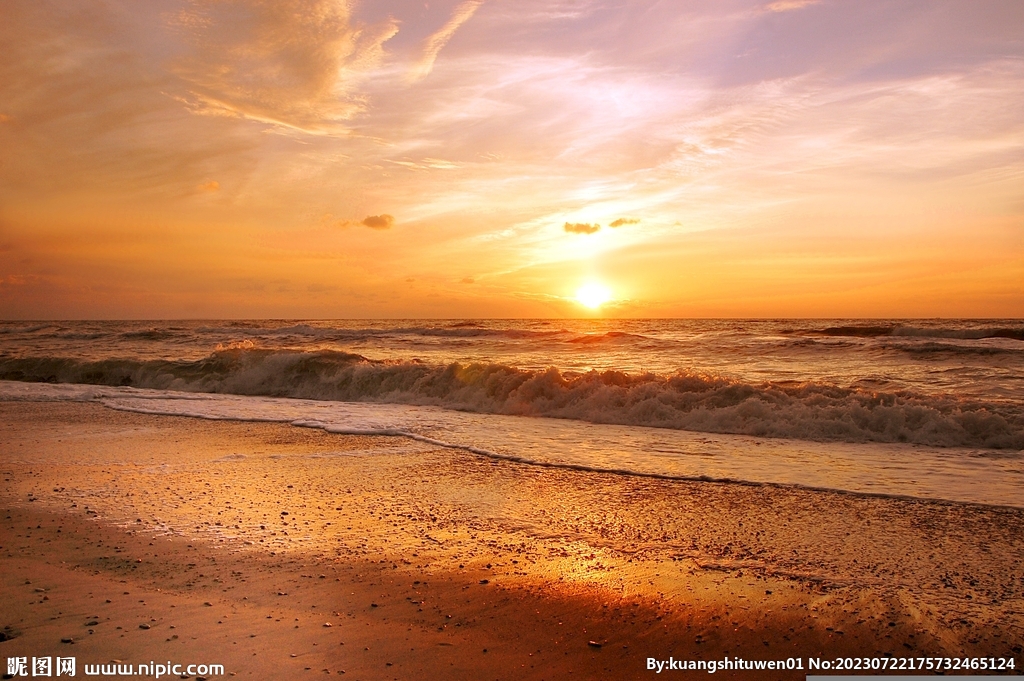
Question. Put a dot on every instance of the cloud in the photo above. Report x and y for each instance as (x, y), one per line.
(290, 63)
(436, 42)
(211, 186)
(468, 280)
(624, 221)
(787, 5)
(427, 164)
(87, 91)
(382, 221)
(581, 227)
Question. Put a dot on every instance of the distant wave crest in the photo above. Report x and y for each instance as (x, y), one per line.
(873, 331)
(327, 333)
(685, 400)
(609, 337)
(32, 328)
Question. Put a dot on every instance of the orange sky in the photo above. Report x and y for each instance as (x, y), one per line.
(243, 158)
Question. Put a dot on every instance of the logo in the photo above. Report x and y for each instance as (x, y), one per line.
(41, 666)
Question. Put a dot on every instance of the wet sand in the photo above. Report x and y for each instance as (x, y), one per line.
(238, 543)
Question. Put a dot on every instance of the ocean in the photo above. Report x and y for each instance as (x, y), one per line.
(930, 409)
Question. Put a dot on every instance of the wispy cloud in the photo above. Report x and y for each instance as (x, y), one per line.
(436, 42)
(426, 164)
(789, 5)
(289, 63)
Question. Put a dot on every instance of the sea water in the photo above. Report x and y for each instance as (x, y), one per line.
(921, 408)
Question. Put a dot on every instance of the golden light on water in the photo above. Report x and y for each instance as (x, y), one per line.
(593, 295)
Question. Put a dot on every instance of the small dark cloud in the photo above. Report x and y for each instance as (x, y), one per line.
(624, 221)
(581, 227)
(382, 221)
(468, 280)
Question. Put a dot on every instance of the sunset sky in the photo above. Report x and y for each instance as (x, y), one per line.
(317, 158)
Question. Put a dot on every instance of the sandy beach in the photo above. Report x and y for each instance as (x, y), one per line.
(282, 551)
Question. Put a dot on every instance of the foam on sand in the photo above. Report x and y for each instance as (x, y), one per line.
(991, 477)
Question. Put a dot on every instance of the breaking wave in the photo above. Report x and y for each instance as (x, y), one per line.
(684, 400)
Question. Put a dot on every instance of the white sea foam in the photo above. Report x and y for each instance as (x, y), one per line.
(960, 475)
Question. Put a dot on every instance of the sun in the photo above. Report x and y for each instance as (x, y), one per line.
(593, 295)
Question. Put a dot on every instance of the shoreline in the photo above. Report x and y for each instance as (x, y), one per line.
(693, 570)
(902, 471)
